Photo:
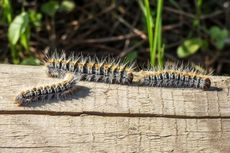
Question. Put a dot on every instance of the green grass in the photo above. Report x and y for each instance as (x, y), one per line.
(154, 32)
(157, 46)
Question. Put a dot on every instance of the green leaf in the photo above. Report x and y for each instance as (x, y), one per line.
(50, 8)
(189, 47)
(218, 36)
(131, 56)
(31, 61)
(67, 6)
(214, 31)
(35, 18)
(18, 27)
(24, 39)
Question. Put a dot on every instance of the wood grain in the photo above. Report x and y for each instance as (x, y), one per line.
(42, 133)
(113, 118)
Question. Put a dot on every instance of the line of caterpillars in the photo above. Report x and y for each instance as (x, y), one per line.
(109, 70)
(112, 71)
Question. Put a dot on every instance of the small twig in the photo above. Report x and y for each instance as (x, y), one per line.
(169, 9)
(122, 54)
(214, 14)
(171, 26)
(126, 45)
(104, 40)
(95, 16)
(134, 30)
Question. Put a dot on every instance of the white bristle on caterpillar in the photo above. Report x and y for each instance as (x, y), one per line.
(90, 69)
(174, 76)
(58, 91)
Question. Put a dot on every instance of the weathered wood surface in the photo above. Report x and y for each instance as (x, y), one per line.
(113, 118)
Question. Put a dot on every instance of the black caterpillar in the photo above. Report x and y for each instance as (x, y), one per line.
(174, 76)
(90, 69)
(60, 90)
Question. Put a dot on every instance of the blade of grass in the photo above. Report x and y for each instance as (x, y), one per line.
(196, 22)
(155, 44)
(160, 47)
(149, 22)
(157, 33)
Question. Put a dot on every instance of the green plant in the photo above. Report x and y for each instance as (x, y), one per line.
(51, 7)
(20, 26)
(35, 19)
(155, 38)
(196, 21)
(193, 45)
(7, 11)
(218, 36)
(189, 47)
(19, 30)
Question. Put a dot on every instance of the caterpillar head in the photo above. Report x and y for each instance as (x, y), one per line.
(22, 99)
(207, 83)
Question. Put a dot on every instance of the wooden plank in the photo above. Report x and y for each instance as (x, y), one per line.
(113, 118)
(43, 133)
(99, 98)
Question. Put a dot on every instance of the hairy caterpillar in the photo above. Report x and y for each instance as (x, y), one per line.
(110, 71)
(174, 76)
(90, 69)
(44, 93)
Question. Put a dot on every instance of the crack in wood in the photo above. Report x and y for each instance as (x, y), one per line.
(107, 114)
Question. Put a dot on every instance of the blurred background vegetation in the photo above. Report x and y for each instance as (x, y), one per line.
(145, 31)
